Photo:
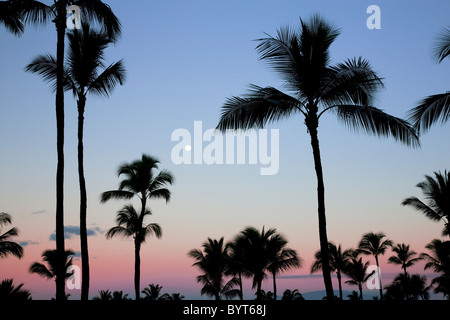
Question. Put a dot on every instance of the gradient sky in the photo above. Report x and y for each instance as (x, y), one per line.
(183, 59)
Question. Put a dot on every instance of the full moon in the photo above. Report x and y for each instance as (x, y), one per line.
(187, 148)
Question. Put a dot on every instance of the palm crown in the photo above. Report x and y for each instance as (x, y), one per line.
(6, 245)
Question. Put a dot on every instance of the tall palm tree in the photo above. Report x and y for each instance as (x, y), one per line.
(254, 248)
(91, 11)
(83, 77)
(375, 244)
(357, 271)
(317, 87)
(338, 261)
(130, 223)
(7, 246)
(142, 180)
(437, 195)
(281, 258)
(237, 265)
(212, 261)
(403, 256)
(10, 292)
(51, 270)
(435, 108)
(439, 261)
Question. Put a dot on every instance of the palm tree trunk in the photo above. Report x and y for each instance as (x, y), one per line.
(61, 31)
(379, 278)
(360, 291)
(241, 293)
(83, 205)
(137, 267)
(340, 284)
(321, 212)
(274, 286)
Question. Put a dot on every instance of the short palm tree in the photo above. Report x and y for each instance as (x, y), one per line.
(83, 77)
(119, 296)
(281, 258)
(253, 246)
(144, 180)
(212, 261)
(51, 270)
(292, 295)
(7, 246)
(10, 292)
(439, 261)
(407, 287)
(90, 11)
(435, 108)
(130, 223)
(375, 244)
(403, 256)
(338, 261)
(104, 295)
(316, 88)
(437, 199)
(152, 292)
(357, 271)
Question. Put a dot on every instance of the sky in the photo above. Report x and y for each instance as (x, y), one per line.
(183, 59)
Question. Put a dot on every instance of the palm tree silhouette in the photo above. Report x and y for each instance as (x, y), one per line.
(373, 244)
(104, 295)
(51, 270)
(212, 261)
(14, 12)
(357, 271)
(10, 292)
(131, 224)
(439, 261)
(237, 265)
(403, 256)
(338, 262)
(7, 246)
(407, 287)
(119, 296)
(83, 77)
(143, 181)
(437, 193)
(253, 246)
(346, 89)
(292, 295)
(152, 292)
(434, 108)
(91, 11)
(281, 258)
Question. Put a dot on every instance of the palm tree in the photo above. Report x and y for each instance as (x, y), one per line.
(104, 295)
(439, 261)
(83, 78)
(143, 181)
(91, 11)
(338, 261)
(347, 89)
(51, 270)
(10, 292)
(237, 265)
(152, 292)
(434, 108)
(293, 295)
(119, 296)
(404, 256)
(281, 258)
(357, 271)
(406, 287)
(131, 224)
(253, 246)
(13, 14)
(373, 244)
(7, 246)
(212, 261)
(437, 194)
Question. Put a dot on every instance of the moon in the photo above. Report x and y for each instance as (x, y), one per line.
(187, 148)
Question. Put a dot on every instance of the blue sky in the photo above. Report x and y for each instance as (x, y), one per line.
(183, 59)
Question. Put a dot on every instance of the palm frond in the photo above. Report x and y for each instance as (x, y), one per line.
(431, 110)
(36, 12)
(11, 17)
(441, 49)
(45, 66)
(422, 207)
(374, 121)
(41, 270)
(116, 194)
(119, 231)
(9, 247)
(5, 218)
(258, 107)
(152, 229)
(108, 79)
